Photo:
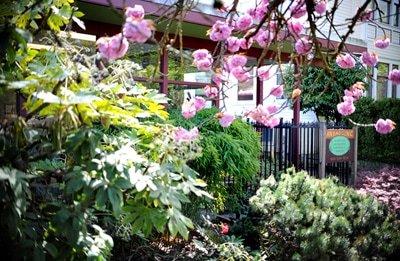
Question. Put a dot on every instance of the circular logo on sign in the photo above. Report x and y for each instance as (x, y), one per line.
(339, 145)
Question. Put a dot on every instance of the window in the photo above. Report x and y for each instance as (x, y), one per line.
(396, 14)
(382, 81)
(246, 89)
(395, 86)
(384, 14)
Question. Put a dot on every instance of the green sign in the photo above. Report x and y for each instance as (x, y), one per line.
(339, 145)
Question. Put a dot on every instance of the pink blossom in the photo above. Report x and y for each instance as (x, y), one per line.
(345, 61)
(303, 45)
(356, 90)
(271, 122)
(218, 78)
(263, 72)
(264, 115)
(382, 43)
(298, 9)
(246, 44)
(346, 107)
(211, 92)
(320, 7)
(236, 60)
(199, 103)
(277, 91)
(138, 31)
(272, 108)
(394, 76)
(225, 120)
(114, 47)
(224, 229)
(201, 54)
(233, 44)
(240, 74)
(220, 31)
(384, 126)
(366, 15)
(264, 37)
(244, 22)
(188, 109)
(183, 135)
(369, 59)
(295, 27)
(136, 12)
(202, 59)
(258, 12)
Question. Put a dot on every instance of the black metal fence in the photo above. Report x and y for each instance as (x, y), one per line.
(279, 153)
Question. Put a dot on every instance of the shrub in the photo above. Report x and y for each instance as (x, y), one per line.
(231, 152)
(306, 218)
(321, 92)
(371, 145)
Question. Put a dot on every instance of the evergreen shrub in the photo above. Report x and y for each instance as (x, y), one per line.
(304, 218)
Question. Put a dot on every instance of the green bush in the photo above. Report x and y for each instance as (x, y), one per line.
(373, 146)
(232, 152)
(321, 92)
(304, 218)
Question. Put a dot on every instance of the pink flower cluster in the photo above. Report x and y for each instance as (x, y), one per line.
(303, 46)
(369, 59)
(202, 59)
(263, 73)
(354, 93)
(320, 7)
(385, 126)
(235, 64)
(384, 185)
(136, 29)
(265, 115)
(394, 76)
(298, 9)
(345, 61)
(295, 27)
(220, 31)
(276, 91)
(382, 43)
(183, 135)
(211, 92)
(191, 107)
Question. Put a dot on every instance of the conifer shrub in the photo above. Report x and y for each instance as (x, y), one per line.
(229, 160)
(303, 218)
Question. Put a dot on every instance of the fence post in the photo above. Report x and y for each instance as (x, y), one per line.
(355, 163)
(322, 148)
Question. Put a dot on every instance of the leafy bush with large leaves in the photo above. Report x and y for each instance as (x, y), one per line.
(230, 158)
(93, 147)
(304, 218)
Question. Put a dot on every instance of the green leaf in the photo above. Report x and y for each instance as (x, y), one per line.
(115, 197)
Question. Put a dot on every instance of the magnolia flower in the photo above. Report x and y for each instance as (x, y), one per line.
(369, 59)
(188, 109)
(136, 12)
(385, 126)
(320, 7)
(263, 72)
(295, 27)
(220, 31)
(183, 135)
(211, 92)
(303, 45)
(277, 91)
(345, 61)
(112, 48)
(244, 22)
(382, 43)
(233, 44)
(138, 31)
(298, 9)
(394, 76)
(225, 119)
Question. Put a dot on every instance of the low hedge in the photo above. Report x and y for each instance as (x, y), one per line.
(303, 218)
(373, 146)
